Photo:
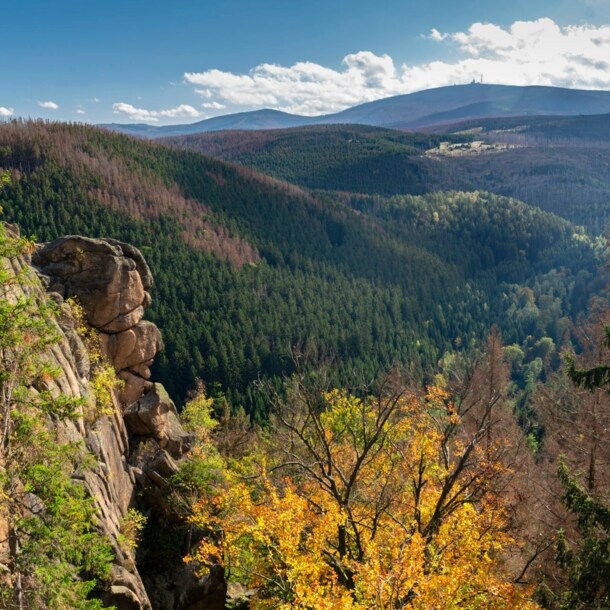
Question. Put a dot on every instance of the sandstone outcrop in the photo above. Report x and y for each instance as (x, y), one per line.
(111, 282)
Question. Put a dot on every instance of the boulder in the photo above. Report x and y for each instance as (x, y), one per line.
(154, 415)
(107, 277)
(238, 596)
(124, 320)
(163, 463)
(134, 348)
(141, 264)
(147, 344)
(118, 347)
(134, 387)
(126, 592)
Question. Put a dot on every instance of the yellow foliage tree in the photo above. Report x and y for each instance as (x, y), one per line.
(385, 502)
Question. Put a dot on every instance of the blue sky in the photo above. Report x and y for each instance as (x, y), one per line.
(161, 63)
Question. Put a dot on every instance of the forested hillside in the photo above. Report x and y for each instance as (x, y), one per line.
(247, 267)
(355, 158)
(552, 163)
(588, 130)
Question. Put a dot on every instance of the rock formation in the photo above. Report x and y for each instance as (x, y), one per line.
(111, 281)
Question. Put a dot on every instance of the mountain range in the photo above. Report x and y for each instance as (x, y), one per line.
(422, 110)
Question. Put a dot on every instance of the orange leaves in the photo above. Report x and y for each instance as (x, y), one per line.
(368, 503)
(270, 537)
(436, 397)
(393, 569)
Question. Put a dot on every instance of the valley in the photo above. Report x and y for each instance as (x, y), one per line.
(248, 267)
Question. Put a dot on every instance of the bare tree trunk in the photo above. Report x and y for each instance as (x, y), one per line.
(18, 595)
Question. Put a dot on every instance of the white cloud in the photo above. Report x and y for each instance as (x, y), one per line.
(49, 105)
(436, 35)
(4, 111)
(213, 105)
(80, 111)
(305, 87)
(142, 114)
(536, 52)
(527, 53)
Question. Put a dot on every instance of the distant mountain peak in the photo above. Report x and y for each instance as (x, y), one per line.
(428, 108)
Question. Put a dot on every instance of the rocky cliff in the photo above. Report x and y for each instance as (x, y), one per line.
(111, 282)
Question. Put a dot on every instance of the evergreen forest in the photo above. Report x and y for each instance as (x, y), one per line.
(249, 268)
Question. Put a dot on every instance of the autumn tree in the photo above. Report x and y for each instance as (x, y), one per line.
(378, 499)
(583, 548)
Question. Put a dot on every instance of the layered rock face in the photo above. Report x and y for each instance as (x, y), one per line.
(111, 281)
